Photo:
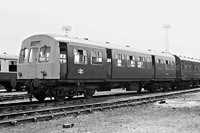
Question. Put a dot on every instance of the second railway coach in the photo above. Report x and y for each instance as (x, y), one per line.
(8, 71)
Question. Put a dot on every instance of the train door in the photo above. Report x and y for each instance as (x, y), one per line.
(63, 60)
(109, 63)
(154, 66)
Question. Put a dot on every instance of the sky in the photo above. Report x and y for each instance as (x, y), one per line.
(137, 23)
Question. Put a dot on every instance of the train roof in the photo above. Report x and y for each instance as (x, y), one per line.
(8, 56)
(88, 42)
(188, 58)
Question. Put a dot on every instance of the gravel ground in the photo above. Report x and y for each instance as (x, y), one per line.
(172, 116)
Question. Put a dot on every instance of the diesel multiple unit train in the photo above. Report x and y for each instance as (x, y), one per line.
(8, 71)
(58, 66)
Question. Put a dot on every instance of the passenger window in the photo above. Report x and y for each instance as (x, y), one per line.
(160, 63)
(173, 65)
(120, 60)
(195, 67)
(12, 66)
(149, 63)
(186, 67)
(80, 56)
(44, 54)
(23, 56)
(189, 67)
(167, 65)
(199, 67)
(141, 62)
(96, 58)
(33, 55)
(131, 61)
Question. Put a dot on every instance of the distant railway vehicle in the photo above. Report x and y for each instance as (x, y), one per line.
(8, 71)
(59, 67)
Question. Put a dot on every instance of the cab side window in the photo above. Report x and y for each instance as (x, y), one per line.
(80, 56)
(23, 56)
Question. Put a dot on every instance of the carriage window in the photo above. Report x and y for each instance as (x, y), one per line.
(33, 55)
(44, 54)
(80, 56)
(189, 67)
(160, 63)
(199, 67)
(131, 61)
(186, 67)
(141, 62)
(173, 65)
(167, 65)
(195, 67)
(12, 66)
(120, 60)
(96, 58)
(23, 56)
(149, 63)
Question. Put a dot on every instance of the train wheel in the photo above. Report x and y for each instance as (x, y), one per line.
(149, 87)
(88, 93)
(8, 87)
(40, 98)
(139, 90)
(70, 97)
(59, 98)
(39, 95)
(71, 94)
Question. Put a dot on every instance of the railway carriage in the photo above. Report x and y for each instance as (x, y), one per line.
(58, 66)
(188, 71)
(8, 71)
(164, 72)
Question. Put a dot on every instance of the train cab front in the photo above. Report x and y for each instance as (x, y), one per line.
(38, 62)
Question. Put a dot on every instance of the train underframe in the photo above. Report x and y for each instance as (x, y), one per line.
(60, 89)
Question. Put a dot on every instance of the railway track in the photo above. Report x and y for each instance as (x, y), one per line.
(53, 112)
(4, 98)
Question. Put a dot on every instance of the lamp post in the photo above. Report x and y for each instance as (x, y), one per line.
(167, 27)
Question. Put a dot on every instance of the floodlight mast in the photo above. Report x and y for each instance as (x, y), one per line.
(66, 29)
(167, 27)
